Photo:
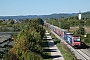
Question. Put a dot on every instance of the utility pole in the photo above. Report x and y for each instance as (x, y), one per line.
(58, 24)
(75, 27)
(52, 22)
(84, 28)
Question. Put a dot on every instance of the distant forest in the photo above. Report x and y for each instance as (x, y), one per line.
(86, 14)
(44, 17)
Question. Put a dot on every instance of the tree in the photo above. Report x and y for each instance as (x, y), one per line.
(28, 43)
(80, 31)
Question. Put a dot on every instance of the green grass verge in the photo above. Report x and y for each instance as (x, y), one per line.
(63, 49)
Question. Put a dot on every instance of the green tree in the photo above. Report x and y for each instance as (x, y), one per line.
(80, 31)
(28, 42)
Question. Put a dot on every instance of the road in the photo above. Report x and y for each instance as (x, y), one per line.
(6, 35)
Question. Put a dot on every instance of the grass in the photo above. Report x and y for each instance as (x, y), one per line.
(64, 50)
(87, 28)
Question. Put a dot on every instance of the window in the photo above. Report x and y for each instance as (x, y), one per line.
(76, 39)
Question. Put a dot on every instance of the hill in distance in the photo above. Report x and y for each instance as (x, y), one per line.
(38, 16)
(85, 14)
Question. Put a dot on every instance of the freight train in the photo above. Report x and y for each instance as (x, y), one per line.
(70, 38)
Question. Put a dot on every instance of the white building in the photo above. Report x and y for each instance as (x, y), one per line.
(79, 15)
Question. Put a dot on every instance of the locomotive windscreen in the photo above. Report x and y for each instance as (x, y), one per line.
(76, 39)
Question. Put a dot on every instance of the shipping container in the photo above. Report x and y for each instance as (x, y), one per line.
(69, 39)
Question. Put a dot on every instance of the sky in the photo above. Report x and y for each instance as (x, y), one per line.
(42, 7)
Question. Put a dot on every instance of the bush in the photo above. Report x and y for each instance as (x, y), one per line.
(31, 56)
(87, 40)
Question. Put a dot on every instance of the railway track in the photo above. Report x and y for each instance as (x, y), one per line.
(80, 54)
(86, 51)
(83, 53)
